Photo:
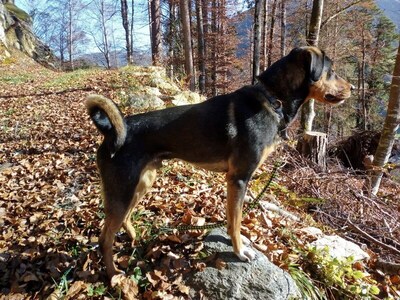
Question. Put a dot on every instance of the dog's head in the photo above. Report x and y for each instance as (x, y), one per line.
(305, 73)
(325, 85)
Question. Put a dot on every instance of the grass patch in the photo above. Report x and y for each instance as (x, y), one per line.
(74, 79)
(16, 79)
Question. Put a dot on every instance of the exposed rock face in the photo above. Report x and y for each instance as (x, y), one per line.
(16, 33)
(259, 279)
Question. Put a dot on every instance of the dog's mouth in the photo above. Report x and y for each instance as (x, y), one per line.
(333, 99)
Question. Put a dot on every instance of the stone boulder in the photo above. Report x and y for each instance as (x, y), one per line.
(255, 280)
(340, 248)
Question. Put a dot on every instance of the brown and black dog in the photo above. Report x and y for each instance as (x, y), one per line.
(231, 133)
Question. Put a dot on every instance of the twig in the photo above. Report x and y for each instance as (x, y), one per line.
(339, 12)
(370, 238)
(265, 206)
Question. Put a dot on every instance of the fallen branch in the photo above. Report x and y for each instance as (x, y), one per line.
(388, 267)
(370, 238)
(268, 206)
(46, 93)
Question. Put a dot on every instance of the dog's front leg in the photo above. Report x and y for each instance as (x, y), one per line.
(236, 192)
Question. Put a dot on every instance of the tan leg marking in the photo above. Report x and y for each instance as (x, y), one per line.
(146, 181)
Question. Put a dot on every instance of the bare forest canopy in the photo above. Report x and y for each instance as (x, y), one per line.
(356, 34)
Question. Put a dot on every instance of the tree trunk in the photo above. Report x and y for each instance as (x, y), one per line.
(307, 111)
(70, 37)
(125, 24)
(205, 5)
(201, 46)
(271, 32)
(283, 28)
(313, 146)
(214, 90)
(156, 42)
(187, 39)
(170, 39)
(257, 40)
(390, 128)
(264, 35)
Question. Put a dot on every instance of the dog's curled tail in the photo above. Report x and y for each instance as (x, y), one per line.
(108, 119)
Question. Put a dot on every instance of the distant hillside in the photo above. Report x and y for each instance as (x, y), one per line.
(118, 58)
(391, 8)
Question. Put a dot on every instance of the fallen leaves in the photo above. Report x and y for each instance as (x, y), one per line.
(51, 212)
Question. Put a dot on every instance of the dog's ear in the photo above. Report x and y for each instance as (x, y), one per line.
(318, 61)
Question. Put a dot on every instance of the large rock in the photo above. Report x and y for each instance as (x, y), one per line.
(259, 279)
(339, 247)
(16, 33)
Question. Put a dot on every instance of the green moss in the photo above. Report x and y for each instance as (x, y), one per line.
(17, 12)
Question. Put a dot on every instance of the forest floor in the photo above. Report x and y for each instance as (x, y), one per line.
(51, 212)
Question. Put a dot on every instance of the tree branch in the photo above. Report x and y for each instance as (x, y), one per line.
(339, 12)
(370, 238)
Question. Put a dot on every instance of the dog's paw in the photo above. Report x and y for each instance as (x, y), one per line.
(246, 254)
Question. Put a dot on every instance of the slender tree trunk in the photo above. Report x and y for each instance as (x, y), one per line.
(201, 47)
(187, 39)
(363, 100)
(257, 40)
(170, 39)
(106, 44)
(70, 36)
(125, 24)
(205, 10)
(307, 111)
(156, 42)
(271, 32)
(214, 48)
(131, 23)
(264, 35)
(390, 128)
(283, 28)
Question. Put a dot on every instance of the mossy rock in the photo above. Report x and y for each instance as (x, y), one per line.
(17, 12)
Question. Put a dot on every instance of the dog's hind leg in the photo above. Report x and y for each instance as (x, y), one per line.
(146, 181)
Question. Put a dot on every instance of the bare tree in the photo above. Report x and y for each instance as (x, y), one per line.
(257, 39)
(127, 28)
(307, 112)
(104, 12)
(283, 28)
(271, 32)
(390, 128)
(187, 39)
(201, 46)
(156, 38)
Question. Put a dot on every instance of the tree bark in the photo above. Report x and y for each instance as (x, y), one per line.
(187, 39)
(264, 35)
(390, 128)
(307, 111)
(257, 40)
(312, 145)
(271, 32)
(125, 24)
(201, 46)
(156, 42)
(283, 28)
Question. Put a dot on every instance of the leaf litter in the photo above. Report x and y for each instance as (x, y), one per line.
(51, 211)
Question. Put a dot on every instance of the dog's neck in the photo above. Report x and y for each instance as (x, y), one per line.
(290, 105)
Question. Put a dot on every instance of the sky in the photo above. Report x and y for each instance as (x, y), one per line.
(141, 24)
